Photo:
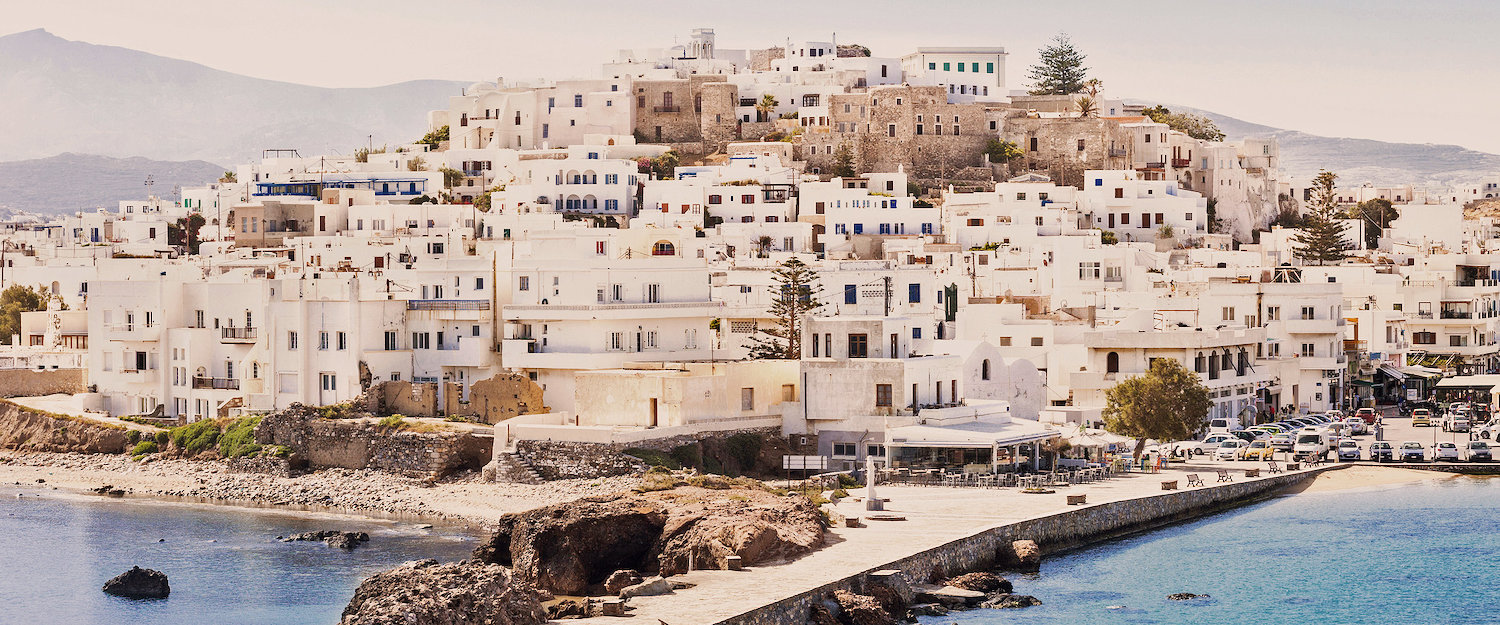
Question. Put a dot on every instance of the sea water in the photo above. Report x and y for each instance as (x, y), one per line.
(224, 563)
(1421, 553)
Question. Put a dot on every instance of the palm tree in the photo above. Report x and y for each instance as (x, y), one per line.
(766, 106)
(1087, 106)
(763, 245)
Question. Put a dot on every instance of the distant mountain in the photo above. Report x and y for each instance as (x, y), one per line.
(1358, 161)
(71, 182)
(68, 96)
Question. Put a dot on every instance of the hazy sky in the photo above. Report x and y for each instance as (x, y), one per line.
(1422, 72)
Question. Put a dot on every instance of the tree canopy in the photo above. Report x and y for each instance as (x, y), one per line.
(1195, 126)
(16, 300)
(1377, 215)
(1168, 403)
(795, 295)
(435, 137)
(1059, 69)
(843, 161)
(1002, 151)
(1321, 238)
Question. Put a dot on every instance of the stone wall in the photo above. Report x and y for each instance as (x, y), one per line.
(908, 127)
(555, 460)
(681, 120)
(490, 401)
(1073, 528)
(25, 429)
(32, 382)
(1105, 146)
(363, 444)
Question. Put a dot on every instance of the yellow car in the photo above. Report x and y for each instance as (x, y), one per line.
(1422, 417)
(1257, 450)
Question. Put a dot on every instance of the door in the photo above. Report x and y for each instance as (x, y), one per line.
(653, 412)
(327, 389)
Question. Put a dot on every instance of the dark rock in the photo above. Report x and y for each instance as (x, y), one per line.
(821, 615)
(926, 609)
(139, 583)
(1185, 596)
(1007, 601)
(427, 593)
(892, 589)
(618, 580)
(957, 598)
(567, 608)
(334, 538)
(983, 582)
(861, 609)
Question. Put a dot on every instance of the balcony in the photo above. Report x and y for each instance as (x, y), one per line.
(1457, 314)
(218, 384)
(237, 335)
(1118, 153)
(448, 304)
(1162, 164)
(666, 109)
(1181, 162)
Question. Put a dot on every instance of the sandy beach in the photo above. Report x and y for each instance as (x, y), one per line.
(462, 498)
(1365, 476)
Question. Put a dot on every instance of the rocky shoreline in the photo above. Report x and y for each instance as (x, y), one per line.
(462, 497)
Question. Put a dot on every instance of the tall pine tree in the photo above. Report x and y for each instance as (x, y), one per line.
(796, 295)
(1059, 69)
(1321, 239)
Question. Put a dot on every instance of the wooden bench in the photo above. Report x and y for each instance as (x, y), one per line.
(1224, 476)
(1172, 485)
(1252, 472)
(1074, 500)
(1194, 480)
(1272, 468)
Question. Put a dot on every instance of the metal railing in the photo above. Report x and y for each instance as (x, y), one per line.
(221, 384)
(448, 304)
(237, 334)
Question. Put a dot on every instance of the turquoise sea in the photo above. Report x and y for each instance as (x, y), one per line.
(1411, 554)
(224, 563)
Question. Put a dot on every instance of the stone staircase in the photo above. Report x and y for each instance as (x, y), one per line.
(508, 466)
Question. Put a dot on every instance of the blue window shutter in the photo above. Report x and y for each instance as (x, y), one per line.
(851, 295)
(914, 293)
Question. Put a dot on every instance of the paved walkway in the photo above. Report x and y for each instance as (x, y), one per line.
(934, 516)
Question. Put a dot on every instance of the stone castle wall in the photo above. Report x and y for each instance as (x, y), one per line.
(556, 460)
(362, 444)
(32, 382)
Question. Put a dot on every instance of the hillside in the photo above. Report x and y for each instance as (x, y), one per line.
(1364, 160)
(55, 184)
(70, 96)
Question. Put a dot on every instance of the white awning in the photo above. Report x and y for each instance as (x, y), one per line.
(970, 435)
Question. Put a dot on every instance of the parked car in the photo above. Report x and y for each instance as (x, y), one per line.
(1208, 445)
(1411, 451)
(1410, 407)
(1312, 444)
(1282, 442)
(1456, 422)
(1381, 451)
(1258, 450)
(1489, 429)
(1478, 451)
(1348, 450)
(1230, 449)
(1336, 415)
(1357, 425)
(1368, 415)
(1337, 428)
(1249, 435)
(1421, 417)
(1445, 451)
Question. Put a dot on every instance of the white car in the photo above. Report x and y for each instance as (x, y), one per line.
(1348, 450)
(1357, 426)
(1209, 443)
(1312, 444)
(1456, 422)
(1489, 430)
(1445, 451)
(1229, 449)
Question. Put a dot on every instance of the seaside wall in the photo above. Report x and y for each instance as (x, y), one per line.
(32, 382)
(1064, 530)
(554, 460)
(360, 444)
(29, 430)
(489, 401)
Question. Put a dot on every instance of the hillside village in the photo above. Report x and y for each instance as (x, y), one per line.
(878, 255)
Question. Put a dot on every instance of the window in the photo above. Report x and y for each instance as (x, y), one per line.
(291, 340)
(845, 449)
(663, 248)
(875, 450)
(718, 199)
(390, 341)
(914, 294)
(1273, 313)
(747, 399)
(1005, 341)
(1112, 363)
(1036, 341)
(523, 283)
(883, 395)
(984, 369)
(1308, 313)
(859, 346)
(851, 294)
(1458, 341)
(1119, 192)
(1308, 350)
(1088, 271)
(343, 341)
(1228, 313)
(742, 327)
(653, 293)
(989, 68)
(322, 341)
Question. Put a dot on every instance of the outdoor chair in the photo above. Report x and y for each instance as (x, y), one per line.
(1273, 467)
(1194, 480)
(1224, 476)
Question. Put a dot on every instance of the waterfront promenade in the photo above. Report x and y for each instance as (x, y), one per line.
(934, 516)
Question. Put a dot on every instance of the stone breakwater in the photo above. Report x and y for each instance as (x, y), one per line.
(461, 497)
(987, 548)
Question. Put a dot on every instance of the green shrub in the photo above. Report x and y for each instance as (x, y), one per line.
(394, 421)
(653, 458)
(840, 494)
(847, 481)
(687, 455)
(239, 438)
(196, 437)
(277, 451)
(143, 448)
(162, 437)
(744, 448)
(132, 437)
